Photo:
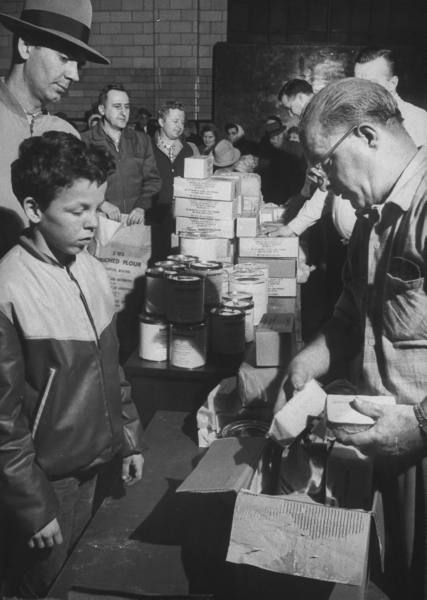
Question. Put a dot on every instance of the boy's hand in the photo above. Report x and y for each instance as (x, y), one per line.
(110, 210)
(132, 468)
(136, 216)
(47, 537)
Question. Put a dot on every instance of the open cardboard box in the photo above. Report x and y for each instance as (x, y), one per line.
(283, 534)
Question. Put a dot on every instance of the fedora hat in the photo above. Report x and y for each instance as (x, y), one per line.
(273, 128)
(225, 154)
(68, 21)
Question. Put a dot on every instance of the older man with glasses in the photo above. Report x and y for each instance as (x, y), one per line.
(353, 130)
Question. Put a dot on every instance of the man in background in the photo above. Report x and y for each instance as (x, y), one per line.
(50, 45)
(135, 180)
(294, 96)
(170, 152)
(380, 65)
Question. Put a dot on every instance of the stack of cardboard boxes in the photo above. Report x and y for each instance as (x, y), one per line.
(206, 206)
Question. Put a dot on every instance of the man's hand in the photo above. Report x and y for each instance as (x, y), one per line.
(132, 468)
(47, 537)
(110, 210)
(281, 231)
(395, 433)
(299, 372)
(317, 177)
(136, 216)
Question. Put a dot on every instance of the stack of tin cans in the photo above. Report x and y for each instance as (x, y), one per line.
(188, 303)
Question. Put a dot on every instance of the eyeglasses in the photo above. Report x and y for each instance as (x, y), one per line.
(320, 165)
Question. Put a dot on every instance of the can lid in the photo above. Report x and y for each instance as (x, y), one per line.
(185, 278)
(164, 263)
(206, 265)
(152, 319)
(237, 303)
(227, 312)
(245, 428)
(238, 296)
(155, 272)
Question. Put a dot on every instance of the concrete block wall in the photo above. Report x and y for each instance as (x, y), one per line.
(159, 49)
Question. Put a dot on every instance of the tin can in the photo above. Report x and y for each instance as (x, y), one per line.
(170, 265)
(256, 286)
(212, 273)
(248, 308)
(184, 259)
(237, 296)
(185, 298)
(155, 291)
(227, 329)
(245, 428)
(153, 338)
(188, 345)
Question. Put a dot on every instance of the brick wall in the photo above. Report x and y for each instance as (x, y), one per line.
(159, 49)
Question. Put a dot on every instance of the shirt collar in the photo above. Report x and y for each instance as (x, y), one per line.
(406, 185)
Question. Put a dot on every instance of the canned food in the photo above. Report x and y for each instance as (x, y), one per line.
(185, 299)
(212, 273)
(227, 331)
(245, 428)
(184, 259)
(155, 291)
(248, 308)
(153, 338)
(188, 345)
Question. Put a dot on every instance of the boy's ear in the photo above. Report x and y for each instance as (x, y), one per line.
(32, 210)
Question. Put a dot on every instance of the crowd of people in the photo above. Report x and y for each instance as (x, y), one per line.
(354, 170)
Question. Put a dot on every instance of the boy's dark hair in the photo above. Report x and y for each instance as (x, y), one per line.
(102, 98)
(295, 86)
(370, 53)
(53, 161)
(167, 106)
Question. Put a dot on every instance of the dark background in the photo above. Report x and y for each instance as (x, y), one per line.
(272, 41)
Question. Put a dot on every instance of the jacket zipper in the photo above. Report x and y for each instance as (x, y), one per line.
(40, 410)
(98, 345)
(86, 306)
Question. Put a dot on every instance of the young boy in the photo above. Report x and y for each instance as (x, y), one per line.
(61, 414)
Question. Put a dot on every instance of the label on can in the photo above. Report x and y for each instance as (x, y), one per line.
(185, 299)
(153, 338)
(188, 346)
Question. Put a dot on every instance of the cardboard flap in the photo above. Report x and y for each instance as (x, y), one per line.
(229, 465)
(281, 534)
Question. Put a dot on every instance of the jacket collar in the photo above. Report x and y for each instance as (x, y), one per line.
(99, 134)
(33, 242)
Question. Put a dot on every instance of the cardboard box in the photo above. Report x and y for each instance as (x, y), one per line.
(213, 188)
(271, 213)
(194, 208)
(249, 203)
(282, 286)
(198, 167)
(269, 247)
(220, 228)
(250, 185)
(281, 305)
(283, 534)
(232, 176)
(247, 225)
(277, 267)
(274, 340)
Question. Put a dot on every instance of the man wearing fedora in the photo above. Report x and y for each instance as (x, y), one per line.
(50, 44)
